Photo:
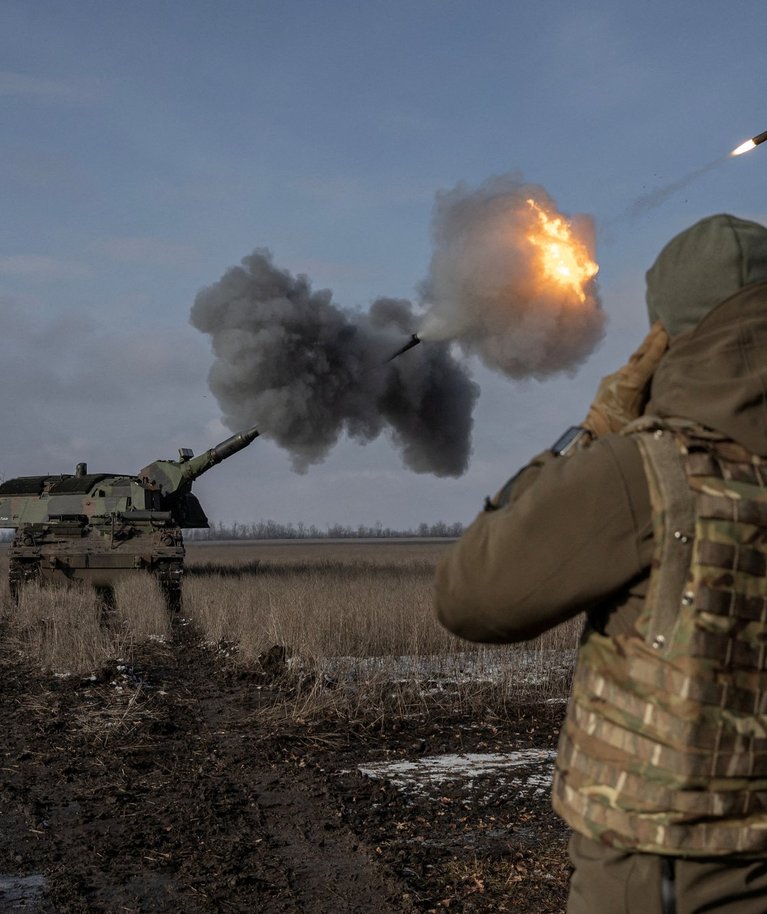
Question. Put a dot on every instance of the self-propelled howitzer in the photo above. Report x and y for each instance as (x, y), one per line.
(100, 527)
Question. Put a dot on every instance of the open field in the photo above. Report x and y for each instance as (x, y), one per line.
(302, 738)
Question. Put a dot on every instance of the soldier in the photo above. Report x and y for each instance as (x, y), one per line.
(651, 519)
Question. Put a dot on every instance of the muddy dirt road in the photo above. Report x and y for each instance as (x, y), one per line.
(175, 786)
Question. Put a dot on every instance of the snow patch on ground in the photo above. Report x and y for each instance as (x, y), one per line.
(523, 769)
(524, 667)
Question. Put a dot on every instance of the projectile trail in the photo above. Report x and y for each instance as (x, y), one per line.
(650, 201)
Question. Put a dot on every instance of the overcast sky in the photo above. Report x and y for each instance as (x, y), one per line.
(146, 147)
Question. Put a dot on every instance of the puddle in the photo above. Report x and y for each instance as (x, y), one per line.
(21, 893)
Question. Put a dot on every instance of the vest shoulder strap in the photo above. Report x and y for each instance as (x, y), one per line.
(673, 509)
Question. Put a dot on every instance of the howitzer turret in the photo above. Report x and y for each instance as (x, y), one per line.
(100, 527)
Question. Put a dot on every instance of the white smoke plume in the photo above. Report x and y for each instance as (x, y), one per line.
(485, 288)
(305, 370)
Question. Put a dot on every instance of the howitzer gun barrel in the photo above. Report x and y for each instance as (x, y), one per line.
(199, 465)
(232, 445)
(170, 476)
(413, 341)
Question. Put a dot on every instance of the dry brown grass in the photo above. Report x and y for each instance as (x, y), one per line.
(140, 612)
(62, 629)
(359, 629)
(69, 629)
(355, 621)
(295, 553)
(3, 571)
(321, 610)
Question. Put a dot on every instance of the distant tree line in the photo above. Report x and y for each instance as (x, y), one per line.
(272, 530)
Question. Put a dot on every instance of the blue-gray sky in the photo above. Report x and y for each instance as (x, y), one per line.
(148, 146)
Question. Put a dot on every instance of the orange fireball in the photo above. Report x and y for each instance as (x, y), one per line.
(564, 259)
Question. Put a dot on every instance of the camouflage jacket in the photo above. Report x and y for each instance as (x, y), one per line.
(665, 745)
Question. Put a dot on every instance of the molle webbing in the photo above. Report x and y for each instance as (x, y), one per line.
(665, 745)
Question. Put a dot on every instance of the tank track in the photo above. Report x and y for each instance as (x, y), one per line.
(169, 576)
(19, 574)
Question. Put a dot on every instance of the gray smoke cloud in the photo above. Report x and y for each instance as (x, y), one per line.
(305, 370)
(486, 287)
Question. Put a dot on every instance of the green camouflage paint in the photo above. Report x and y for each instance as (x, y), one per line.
(100, 527)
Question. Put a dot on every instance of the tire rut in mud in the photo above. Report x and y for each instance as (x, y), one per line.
(161, 793)
(329, 871)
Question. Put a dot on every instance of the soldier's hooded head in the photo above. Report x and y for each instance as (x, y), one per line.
(703, 266)
(708, 288)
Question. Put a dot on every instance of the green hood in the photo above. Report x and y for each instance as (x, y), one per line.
(708, 287)
(703, 266)
(716, 374)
